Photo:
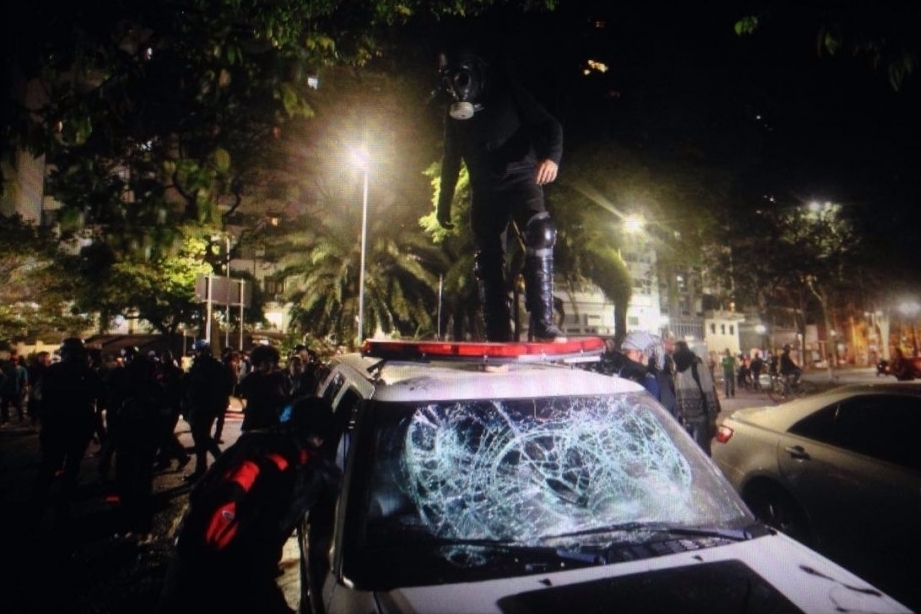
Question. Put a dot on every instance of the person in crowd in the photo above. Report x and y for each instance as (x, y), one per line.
(295, 372)
(728, 364)
(231, 359)
(788, 367)
(40, 361)
(645, 350)
(170, 374)
(70, 392)
(140, 402)
(303, 373)
(611, 358)
(117, 390)
(511, 146)
(756, 367)
(310, 369)
(743, 373)
(900, 366)
(99, 364)
(208, 386)
(696, 398)
(13, 387)
(637, 347)
(244, 509)
(265, 390)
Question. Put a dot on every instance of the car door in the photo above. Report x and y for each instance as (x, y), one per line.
(855, 466)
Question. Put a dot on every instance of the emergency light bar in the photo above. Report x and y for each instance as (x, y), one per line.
(585, 349)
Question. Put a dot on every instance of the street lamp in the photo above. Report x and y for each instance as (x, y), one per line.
(361, 156)
(761, 329)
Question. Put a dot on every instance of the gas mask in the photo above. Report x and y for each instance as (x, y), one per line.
(465, 80)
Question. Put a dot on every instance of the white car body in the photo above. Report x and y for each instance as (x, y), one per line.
(771, 574)
(477, 487)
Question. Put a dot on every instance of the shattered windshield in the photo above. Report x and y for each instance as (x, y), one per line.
(526, 470)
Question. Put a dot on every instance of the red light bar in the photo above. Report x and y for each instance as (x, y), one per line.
(471, 350)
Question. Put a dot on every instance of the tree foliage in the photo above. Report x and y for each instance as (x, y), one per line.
(161, 123)
(35, 295)
(885, 35)
(793, 262)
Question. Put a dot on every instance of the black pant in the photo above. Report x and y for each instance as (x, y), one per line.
(201, 423)
(14, 400)
(134, 458)
(62, 448)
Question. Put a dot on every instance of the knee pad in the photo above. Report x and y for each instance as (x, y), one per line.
(540, 235)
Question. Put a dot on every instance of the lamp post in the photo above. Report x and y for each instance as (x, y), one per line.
(362, 156)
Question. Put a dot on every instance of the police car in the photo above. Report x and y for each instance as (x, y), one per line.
(505, 477)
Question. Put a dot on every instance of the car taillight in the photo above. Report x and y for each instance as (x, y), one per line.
(723, 433)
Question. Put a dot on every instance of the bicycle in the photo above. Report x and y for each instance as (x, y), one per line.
(786, 387)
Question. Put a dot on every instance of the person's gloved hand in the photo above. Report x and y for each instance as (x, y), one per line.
(443, 215)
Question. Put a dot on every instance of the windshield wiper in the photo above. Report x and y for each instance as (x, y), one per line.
(659, 527)
(514, 547)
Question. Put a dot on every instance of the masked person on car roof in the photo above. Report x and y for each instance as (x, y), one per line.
(511, 147)
(244, 509)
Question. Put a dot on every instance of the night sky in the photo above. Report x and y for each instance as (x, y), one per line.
(823, 128)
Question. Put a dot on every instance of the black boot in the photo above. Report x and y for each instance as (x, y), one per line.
(538, 288)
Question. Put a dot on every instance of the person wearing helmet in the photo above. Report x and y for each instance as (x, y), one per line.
(638, 348)
(511, 146)
(70, 392)
(244, 509)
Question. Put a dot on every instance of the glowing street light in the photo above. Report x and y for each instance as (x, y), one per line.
(634, 223)
(361, 157)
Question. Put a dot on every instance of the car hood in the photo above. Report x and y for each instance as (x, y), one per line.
(775, 417)
(767, 574)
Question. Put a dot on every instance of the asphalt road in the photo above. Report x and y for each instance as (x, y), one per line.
(84, 569)
(753, 398)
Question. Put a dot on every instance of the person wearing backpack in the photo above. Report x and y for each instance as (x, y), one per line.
(243, 510)
(695, 395)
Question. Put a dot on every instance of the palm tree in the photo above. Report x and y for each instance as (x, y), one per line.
(402, 271)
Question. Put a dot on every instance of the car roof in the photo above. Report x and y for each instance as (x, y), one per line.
(441, 380)
(782, 417)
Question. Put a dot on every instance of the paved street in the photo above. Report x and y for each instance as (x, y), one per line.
(753, 398)
(84, 569)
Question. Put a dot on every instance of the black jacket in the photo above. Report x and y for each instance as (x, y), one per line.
(510, 135)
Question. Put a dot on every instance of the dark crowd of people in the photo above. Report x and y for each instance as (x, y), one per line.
(684, 384)
(130, 406)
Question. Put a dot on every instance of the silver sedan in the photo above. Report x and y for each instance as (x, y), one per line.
(839, 471)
